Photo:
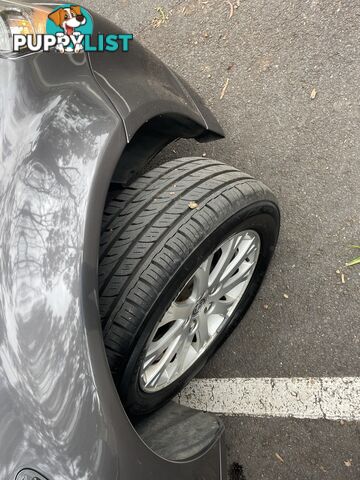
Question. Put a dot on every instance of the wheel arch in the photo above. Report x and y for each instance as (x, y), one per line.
(151, 137)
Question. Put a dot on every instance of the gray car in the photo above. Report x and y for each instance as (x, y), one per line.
(119, 277)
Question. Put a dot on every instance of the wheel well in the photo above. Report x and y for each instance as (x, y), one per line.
(151, 138)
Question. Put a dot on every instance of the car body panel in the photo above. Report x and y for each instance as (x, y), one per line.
(141, 87)
(61, 140)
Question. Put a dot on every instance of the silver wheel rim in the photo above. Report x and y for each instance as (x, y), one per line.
(200, 311)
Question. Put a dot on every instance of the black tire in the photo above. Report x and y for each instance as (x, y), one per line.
(151, 243)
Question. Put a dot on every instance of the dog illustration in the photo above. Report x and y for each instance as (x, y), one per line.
(69, 19)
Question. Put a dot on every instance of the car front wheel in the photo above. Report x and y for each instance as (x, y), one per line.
(184, 250)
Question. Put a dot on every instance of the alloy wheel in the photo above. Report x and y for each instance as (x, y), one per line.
(200, 311)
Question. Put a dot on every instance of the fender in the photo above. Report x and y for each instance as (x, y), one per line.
(60, 414)
(141, 87)
(156, 105)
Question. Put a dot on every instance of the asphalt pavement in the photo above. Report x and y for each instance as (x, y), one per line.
(291, 113)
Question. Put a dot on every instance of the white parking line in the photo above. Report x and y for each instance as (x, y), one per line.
(332, 398)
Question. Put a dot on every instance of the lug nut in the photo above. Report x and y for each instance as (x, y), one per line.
(193, 326)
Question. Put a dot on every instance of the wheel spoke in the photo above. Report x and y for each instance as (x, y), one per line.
(157, 348)
(243, 274)
(178, 311)
(201, 278)
(182, 352)
(245, 249)
(202, 333)
(221, 307)
(153, 373)
(227, 252)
